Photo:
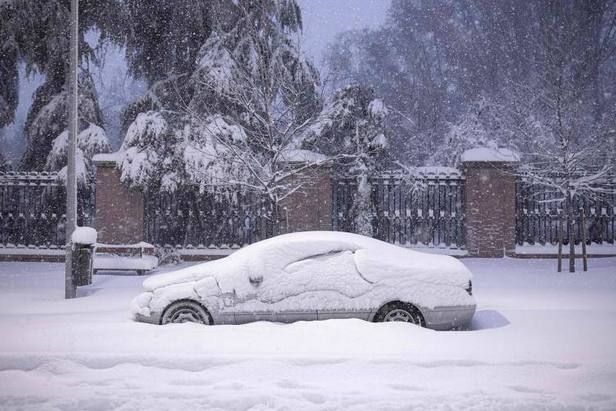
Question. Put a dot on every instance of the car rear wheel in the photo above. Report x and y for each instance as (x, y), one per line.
(399, 312)
(186, 312)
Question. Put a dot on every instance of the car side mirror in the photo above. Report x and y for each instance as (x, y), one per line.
(256, 281)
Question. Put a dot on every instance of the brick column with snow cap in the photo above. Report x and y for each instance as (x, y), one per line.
(308, 209)
(490, 201)
(120, 210)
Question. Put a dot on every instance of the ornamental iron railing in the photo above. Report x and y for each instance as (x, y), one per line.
(187, 219)
(427, 210)
(537, 209)
(33, 207)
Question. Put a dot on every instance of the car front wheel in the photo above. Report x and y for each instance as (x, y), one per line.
(399, 312)
(186, 312)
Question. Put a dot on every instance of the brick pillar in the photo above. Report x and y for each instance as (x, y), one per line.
(310, 208)
(490, 207)
(120, 212)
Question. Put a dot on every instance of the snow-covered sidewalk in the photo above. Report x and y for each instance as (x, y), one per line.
(540, 340)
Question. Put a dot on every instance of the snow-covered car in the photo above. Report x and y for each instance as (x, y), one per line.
(313, 276)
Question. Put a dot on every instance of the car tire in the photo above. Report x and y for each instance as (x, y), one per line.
(186, 312)
(398, 311)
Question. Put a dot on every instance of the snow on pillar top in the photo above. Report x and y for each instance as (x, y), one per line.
(108, 159)
(490, 155)
(302, 156)
(84, 235)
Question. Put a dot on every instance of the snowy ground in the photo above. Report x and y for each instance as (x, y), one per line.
(539, 341)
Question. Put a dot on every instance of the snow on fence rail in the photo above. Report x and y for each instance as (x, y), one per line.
(186, 219)
(32, 210)
(537, 216)
(428, 211)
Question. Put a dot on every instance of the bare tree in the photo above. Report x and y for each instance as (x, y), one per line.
(563, 144)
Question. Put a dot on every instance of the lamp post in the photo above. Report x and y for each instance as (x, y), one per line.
(70, 290)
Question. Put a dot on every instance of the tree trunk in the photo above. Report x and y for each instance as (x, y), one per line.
(363, 206)
(570, 222)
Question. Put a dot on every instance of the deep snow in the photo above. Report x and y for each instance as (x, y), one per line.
(539, 340)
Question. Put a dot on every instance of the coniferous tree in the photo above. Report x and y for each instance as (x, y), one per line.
(36, 33)
(252, 94)
(162, 44)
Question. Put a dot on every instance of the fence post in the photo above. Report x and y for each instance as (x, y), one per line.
(120, 210)
(561, 225)
(490, 202)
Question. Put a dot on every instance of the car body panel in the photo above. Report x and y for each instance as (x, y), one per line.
(446, 318)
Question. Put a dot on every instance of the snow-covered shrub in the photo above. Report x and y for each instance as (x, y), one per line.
(168, 255)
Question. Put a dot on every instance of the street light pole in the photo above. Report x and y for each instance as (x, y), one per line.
(70, 290)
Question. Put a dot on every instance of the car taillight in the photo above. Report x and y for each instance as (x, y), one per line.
(469, 288)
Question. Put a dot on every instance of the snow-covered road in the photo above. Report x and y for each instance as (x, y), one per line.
(540, 340)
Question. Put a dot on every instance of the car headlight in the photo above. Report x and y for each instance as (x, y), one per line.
(469, 288)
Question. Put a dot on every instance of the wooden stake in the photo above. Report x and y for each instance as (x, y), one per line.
(560, 240)
(583, 239)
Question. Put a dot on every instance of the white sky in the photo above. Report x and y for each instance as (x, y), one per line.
(324, 19)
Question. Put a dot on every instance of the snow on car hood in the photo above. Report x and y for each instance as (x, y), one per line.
(374, 259)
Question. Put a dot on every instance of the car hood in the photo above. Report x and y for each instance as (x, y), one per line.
(185, 275)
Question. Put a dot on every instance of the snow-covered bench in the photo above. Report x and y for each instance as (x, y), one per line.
(126, 257)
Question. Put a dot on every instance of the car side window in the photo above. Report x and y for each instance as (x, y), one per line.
(324, 259)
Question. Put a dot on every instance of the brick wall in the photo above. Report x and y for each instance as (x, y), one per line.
(490, 209)
(119, 209)
(310, 208)
(489, 198)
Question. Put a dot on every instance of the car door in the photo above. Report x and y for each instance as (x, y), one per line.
(272, 301)
(329, 285)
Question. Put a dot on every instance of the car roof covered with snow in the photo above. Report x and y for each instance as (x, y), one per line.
(373, 259)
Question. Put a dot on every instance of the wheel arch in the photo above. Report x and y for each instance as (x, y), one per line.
(385, 306)
(186, 300)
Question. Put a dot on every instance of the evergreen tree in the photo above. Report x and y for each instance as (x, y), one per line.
(4, 164)
(252, 94)
(9, 77)
(162, 44)
(35, 32)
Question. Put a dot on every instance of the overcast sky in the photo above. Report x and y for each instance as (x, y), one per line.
(323, 19)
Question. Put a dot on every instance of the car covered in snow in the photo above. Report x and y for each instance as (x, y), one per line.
(313, 276)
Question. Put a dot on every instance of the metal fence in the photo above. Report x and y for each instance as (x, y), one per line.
(537, 209)
(33, 207)
(187, 219)
(428, 211)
